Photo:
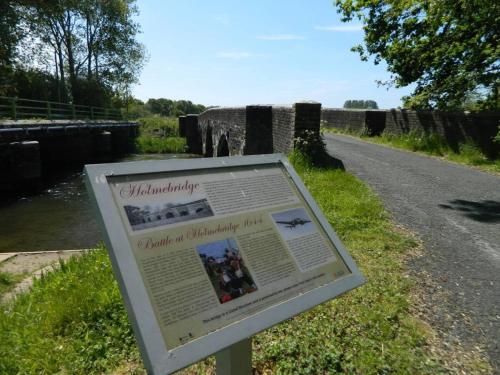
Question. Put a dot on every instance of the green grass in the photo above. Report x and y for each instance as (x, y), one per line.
(433, 144)
(151, 145)
(159, 135)
(73, 320)
(8, 281)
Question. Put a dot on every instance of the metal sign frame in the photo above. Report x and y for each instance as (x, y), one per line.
(157, 358)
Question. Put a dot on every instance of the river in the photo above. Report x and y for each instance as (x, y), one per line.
(59, 217)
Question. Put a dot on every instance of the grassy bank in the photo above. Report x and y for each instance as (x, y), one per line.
(8, 281)
(73, 320)
(160, 135)
(432, 144)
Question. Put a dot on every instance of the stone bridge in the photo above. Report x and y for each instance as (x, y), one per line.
(262, 129)
(254, 129)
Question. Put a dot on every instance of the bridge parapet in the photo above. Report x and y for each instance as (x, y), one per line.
(249, 130)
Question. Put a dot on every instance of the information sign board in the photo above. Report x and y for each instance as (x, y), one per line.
(208, 252)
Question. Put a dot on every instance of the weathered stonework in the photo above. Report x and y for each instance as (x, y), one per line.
(254, 129)
(283, 128)
(455, 127)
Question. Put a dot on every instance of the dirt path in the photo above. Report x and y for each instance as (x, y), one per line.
(33, 265)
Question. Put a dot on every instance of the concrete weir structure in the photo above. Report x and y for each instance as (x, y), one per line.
(28, 148)
(249, 130)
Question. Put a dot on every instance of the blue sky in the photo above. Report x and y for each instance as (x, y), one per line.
(217, 249)
(228, 53)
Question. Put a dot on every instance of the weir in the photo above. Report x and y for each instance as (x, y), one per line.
(29, 149)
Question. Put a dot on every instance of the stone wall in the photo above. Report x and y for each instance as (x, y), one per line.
(455, 127)
(283, 128)
(254, 129)
(344, 119)
(367, 121)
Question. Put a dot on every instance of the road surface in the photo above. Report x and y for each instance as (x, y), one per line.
(455, 210)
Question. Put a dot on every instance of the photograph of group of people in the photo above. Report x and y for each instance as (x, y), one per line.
(226, 269)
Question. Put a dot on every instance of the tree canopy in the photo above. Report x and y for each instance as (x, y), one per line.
(84, 50)
(448, 48)
(168, 107)
(361, 104)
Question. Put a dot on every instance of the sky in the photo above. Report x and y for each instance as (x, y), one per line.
(235, 53)
(217, 249)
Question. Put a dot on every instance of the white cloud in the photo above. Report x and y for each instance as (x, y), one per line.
(280, 37)
(341, 28)
(234, 55)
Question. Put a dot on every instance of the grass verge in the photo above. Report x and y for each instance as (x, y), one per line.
(73, 319)
(159, 135)
(8, 281)
(431, 144)
(145, 144)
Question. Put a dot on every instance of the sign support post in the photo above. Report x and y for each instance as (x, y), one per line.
(236, 359)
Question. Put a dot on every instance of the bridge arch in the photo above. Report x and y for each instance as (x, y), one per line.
(223, 146)
(209, 145)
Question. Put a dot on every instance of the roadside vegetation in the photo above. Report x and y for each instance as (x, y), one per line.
(159, 135)
(73, 319)
(431, 144)
(8, 281)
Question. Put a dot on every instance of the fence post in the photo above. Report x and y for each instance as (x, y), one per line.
(14, 111)
(91, 113)
(106, 113)
(49, 111)
(73, 112)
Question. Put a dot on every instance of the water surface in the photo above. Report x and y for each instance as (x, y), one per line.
(59, 217)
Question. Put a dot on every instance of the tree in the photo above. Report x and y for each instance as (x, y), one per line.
(448, 48)
(9, 35)
(167, 107)
(89, 46)
(361, 104)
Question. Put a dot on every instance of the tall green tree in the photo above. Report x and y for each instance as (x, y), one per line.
(448, 48)
(90, 46)
(361, 104)
(9, 35)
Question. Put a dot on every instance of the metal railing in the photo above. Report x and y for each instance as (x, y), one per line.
(17, 108)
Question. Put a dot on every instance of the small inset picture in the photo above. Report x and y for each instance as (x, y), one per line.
(160, 214)
(226, 269)
(293, 223)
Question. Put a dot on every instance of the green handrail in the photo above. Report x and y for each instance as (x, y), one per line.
(19, 108)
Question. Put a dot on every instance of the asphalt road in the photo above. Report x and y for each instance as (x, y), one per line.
(455, 210)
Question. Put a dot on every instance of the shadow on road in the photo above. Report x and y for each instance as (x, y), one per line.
(334, 163)
(485, 211)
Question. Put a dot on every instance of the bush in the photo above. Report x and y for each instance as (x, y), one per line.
(311, 144)
(162, 126)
